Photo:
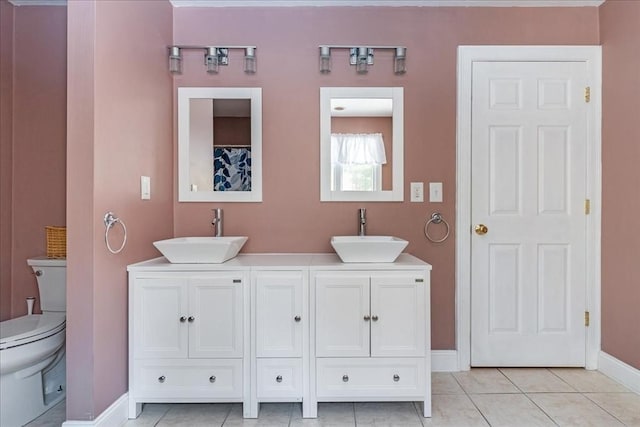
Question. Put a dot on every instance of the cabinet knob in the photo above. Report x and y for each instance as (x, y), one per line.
(366, 317)
(191, 319)
(183, 319)
(161, 379)
(212, 379)
(374, 318)
(279, 379)
(396, 377)
(297, 318)
(345, 378)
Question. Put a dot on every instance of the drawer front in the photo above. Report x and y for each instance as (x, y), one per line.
(279, 378)
(219, 378)
(362, 377)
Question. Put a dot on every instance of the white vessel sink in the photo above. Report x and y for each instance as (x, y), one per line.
(368, 248)
(200, 250)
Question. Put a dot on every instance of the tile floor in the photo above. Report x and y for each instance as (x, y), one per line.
(515, 397)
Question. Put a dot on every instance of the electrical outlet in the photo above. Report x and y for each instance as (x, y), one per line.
(417, 192)
(435, 192)
(145, 188)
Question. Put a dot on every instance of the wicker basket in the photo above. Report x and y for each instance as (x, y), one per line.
(56, 242)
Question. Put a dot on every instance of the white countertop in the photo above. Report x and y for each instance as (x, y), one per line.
(278, 261)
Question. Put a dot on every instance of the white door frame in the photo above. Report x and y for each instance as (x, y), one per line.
(467, 55)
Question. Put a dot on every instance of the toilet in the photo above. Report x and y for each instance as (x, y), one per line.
(32, 350)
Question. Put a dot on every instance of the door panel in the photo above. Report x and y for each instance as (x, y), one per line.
(342, 316)
(528, 168)
(157, 329)
(397, 317)
(216, 308)
(279, 303)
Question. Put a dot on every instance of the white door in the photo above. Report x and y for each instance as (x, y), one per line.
(528, 188)
(342, 315)
(279, 314)
(397, 315)
(159, 323)
(215, 317)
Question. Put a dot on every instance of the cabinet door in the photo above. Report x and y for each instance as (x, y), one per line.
(279, 315)
(215, 322)
(159, 331)
(342, 315)
(398, 315)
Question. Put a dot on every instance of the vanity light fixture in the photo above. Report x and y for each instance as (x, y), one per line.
(362, 57)
(214, 57)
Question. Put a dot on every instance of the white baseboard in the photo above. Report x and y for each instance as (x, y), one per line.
(444, 361)
(114, 415)
(618, 370)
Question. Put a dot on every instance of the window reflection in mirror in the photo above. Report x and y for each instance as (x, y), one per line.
(359, 153)
(219, 144)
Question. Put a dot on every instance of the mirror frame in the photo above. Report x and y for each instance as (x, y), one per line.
(185, 94)
(396, 194)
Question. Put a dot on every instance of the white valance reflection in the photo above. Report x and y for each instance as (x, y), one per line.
(357, 149)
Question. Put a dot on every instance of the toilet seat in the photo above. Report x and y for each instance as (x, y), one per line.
(28, 329)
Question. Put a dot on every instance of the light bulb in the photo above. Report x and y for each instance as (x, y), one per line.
(250, 66)
(400, 61)
(361, 60)
(175, 60)
(211, 60)
(325, 59)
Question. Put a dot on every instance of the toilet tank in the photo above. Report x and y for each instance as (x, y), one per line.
(52, 282)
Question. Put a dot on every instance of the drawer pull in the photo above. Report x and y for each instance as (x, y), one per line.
(374, 318)
(297, 318)
(396, 377)
(183, 319)
(279, 379)
(212, 379)
(345, 378)
(366, 317)
(191, 319)
(161, 379)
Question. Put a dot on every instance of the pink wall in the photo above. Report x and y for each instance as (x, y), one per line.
(620, 39)
(34, 170)
(288, 74)
(6, 154)
(120, 127)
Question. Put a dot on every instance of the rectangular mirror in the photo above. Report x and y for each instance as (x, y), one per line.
(361, 144)
(219, 144)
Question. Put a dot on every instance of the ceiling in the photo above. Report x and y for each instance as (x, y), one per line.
(390, 3)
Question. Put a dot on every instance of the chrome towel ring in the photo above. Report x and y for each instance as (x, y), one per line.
(436, 218)
(110, 220)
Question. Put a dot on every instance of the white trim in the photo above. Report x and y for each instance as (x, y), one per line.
(391, 3)
(467, 55)
(114, 415)
(616, 369)
(444, 361)
(38, 2)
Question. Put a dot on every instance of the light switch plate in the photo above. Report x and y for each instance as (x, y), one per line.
(435, 192)
(145, 188)
(417, 192)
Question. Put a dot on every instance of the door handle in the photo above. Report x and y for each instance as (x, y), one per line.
(481, 229)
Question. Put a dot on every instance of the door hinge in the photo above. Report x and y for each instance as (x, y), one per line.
(586, 318)
(587, 94)
(587, 206)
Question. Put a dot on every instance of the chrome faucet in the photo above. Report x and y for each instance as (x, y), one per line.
(362, 221)
(217, 221)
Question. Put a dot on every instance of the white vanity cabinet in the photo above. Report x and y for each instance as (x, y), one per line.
(187, 337)
(280, 304)
(371, 334)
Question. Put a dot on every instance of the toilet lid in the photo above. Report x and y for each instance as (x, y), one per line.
(26, 329)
